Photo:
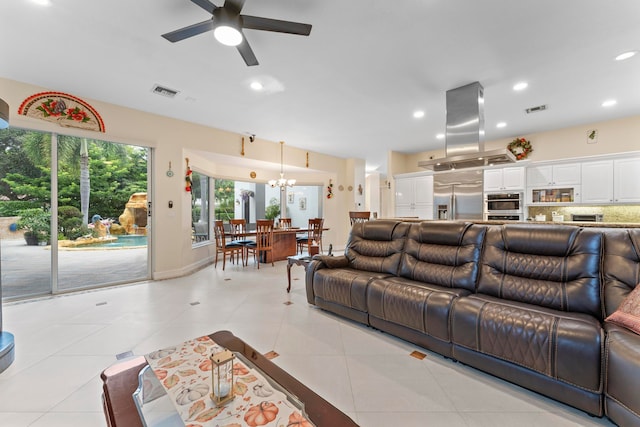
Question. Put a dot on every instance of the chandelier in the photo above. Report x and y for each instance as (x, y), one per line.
(282, 182)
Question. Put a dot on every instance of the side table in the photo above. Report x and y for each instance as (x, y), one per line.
(302, 260)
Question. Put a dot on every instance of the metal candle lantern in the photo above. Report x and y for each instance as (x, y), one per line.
(222, 377)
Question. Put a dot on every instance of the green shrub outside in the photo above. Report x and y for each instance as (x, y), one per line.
(70, 222)
(13, 207)
(37, 222)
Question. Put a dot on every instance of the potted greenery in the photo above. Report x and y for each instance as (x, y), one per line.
(37, 225)
(273, 210)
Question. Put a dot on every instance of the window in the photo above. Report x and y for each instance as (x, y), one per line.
(200, 208)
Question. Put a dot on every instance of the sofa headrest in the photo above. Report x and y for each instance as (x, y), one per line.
(547, 240)
(442, 232)
(378, 229)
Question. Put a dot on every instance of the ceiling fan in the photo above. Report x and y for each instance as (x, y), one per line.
(227, 24)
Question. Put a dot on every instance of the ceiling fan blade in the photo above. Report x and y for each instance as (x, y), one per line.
(190, 31)
(247, 53)
(206, 5)
(267, 24)
(233, 5)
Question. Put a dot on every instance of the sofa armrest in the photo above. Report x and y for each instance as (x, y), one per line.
(319, 262)
(622, 364)
(330, 261)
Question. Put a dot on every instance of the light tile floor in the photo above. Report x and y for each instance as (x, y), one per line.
(64, 342)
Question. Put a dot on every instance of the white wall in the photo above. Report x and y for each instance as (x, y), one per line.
(373, 194)
(313, 199)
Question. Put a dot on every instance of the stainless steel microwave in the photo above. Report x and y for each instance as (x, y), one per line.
(504, 203)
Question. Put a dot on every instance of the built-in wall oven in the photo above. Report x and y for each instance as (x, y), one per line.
(504, 206)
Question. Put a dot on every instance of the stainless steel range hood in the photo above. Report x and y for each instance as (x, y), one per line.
(464, 146)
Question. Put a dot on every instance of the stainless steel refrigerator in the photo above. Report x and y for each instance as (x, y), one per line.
(458, 195)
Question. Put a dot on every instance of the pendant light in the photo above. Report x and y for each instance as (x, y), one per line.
(282, 182)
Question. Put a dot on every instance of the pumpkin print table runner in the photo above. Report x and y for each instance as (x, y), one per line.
(185, 373)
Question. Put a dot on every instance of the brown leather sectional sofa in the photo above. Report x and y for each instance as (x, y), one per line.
(523, 302)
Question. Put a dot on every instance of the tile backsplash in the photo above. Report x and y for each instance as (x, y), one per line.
(618, 213)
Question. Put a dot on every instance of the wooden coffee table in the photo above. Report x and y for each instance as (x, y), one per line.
(121, 380)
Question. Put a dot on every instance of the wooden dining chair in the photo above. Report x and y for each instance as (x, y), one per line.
(264, 241)
(314, 234)
(359, 216)
(238, 230)
(284, 223)
(222, 247)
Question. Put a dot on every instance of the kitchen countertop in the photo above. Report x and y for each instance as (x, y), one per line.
(574, 223)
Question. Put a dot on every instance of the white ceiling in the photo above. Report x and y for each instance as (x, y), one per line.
(350, 88)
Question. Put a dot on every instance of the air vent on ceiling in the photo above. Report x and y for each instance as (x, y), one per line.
(164, 91)
(536, 109)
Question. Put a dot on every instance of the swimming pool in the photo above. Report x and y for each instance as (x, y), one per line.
(130, 241)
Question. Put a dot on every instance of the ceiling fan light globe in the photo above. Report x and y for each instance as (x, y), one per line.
(227, 35)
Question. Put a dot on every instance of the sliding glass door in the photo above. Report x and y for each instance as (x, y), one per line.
(76, 211)
(25, 212)
(103, 228)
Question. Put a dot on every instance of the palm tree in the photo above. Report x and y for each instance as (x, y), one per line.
(74, 153)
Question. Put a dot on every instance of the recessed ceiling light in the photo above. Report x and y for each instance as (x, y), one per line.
(440, 136)
(501, 125)
(256, 86)
(520, 86)
(418, 114)
(609, 103)
(626, 55)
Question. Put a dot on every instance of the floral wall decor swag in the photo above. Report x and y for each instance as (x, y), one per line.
(187, 177)
(520, 148)
(330, 190)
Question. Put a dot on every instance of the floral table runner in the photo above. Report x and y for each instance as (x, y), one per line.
(185, 373)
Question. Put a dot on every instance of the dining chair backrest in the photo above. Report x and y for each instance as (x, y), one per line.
(359, 216)
(234, 249)
(218, 232)
(238, 228)
(315, 230)
(285, 223)
(264, 234)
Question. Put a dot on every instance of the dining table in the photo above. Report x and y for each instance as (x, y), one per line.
(284, 242)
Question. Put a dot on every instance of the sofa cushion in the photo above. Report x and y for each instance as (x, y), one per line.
(564, 346)
(420, 306)
(550, 266)
(376, 245)
(628, 314)
(443, 253)
(344, 286)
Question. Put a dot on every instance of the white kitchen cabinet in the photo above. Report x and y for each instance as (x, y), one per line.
(597, 182)
(414, 197)
(626, 180)
(504, 179)
(554, 175)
